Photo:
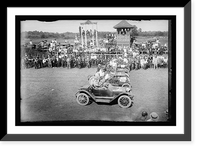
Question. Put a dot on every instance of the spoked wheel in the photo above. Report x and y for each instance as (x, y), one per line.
(124, 101)
(82, 99)
(127, 75)
(126, 85)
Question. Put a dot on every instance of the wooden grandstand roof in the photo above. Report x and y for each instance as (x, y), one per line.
(123, 24)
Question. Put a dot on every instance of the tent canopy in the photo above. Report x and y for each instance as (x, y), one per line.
(88, 22)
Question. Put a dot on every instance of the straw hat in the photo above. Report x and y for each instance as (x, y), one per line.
(154, 116)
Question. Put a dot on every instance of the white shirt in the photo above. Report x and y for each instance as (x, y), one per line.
(97, 74)
(101, 73)
(125, 60)
(125, 55)
(107, 76)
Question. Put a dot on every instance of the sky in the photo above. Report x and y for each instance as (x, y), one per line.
(62, 26)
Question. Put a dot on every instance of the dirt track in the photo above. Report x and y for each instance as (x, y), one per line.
(48, 94)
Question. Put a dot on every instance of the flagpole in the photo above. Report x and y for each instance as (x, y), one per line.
(81, 36)
(96, 36)
(85, 35)
(93, 34)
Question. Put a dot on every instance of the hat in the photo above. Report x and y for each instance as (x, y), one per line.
(166, 112)
(144, 114)
(154, 116)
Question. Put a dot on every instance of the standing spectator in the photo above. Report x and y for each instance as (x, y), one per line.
(55, 41)
(155, 62)
(49, 62)
(59, 59)
(30, 43)
(68, 62)
(42, 44)
(53, 60)
(98, 67)
(64, 61)
(46, 44)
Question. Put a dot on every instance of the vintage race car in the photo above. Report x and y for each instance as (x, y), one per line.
(120, 79)
(117, 79)
(122, 74)
(106, 94)
(123, 68)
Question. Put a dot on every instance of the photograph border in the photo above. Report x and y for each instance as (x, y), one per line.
(126, 137)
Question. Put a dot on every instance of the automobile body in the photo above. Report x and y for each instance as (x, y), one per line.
(105, 94)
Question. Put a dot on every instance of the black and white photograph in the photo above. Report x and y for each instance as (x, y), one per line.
(98, 74)
(95, 71)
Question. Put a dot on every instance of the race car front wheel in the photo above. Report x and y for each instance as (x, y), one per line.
(124, 101)
(82, 99)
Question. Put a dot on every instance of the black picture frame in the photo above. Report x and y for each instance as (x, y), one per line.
(125, 137)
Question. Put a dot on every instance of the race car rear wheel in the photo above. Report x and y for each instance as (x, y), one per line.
(82, 99)
(124, 101)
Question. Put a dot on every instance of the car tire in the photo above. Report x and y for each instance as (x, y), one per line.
(127, 75)
(126, 85)
(124, 101)
(83, 99)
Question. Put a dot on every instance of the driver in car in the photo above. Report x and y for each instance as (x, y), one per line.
(105, 78)
(95, 80)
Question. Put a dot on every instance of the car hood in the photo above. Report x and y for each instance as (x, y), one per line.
(84, 87)
(121, 74)
(118, 89)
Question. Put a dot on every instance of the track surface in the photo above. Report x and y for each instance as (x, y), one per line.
(48, 94)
